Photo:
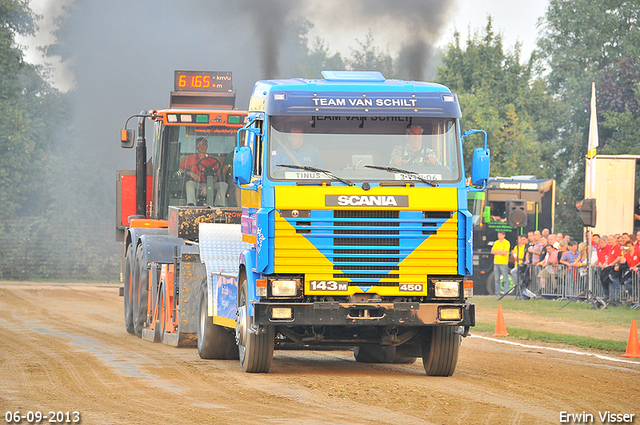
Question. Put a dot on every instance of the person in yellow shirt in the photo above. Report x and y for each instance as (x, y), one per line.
(500, 251)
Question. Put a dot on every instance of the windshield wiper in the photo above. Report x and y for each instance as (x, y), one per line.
(317, 170)
(400, 170)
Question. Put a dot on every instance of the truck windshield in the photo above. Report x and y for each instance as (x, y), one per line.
(345, 145)
(194, 166)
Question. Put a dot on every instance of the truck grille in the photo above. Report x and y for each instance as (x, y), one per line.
(366, 247)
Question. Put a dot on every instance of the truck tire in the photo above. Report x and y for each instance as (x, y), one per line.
(128, 292)
(440, 351)
(214, 342)
(379, 354)
(140, 292)
(255, 349)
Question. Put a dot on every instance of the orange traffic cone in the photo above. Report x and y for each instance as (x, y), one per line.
(501, 328)
(633, 348)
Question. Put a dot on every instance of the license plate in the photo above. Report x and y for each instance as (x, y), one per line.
(410, 287)
(328, 285)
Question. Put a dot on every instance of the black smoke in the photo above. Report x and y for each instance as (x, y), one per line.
(413, 26)
(122, 55)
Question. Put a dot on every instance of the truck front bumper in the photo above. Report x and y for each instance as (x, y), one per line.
(363, 314)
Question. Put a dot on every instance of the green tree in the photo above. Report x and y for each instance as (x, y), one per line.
(18, 152)
(504, 97)
(581, 42)
(619, 103)
(368, 57)
(312, 61)
(32, 117)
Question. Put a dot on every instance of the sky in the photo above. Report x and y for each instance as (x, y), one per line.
(516, 20)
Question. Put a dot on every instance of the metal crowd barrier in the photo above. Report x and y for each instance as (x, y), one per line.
(561, 282)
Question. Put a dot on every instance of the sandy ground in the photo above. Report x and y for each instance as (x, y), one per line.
(64, 348)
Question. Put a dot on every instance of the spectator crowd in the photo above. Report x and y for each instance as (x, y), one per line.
(554, 261)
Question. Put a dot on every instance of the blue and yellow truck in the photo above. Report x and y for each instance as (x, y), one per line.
(353, 230)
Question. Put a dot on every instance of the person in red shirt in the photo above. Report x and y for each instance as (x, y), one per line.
(603, 251)
(613, 259)
(198, 182)
(629, 266)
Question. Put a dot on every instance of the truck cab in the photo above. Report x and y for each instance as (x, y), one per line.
(355, 207)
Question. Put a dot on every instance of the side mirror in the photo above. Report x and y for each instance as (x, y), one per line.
(480, 167)
(480, 164)
(127, 138)
(242, 165)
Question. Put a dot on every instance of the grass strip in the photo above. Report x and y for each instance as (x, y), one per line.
(572, 312)
(573, 340)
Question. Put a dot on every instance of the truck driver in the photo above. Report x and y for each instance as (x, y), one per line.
(413, 152)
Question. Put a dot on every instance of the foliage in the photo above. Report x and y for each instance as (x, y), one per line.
(17, 151)
(367, 57)
(503, 97)
(582, 37)
(16, 18)
(316, 59)
(39, 238)
(56, 248)
(619, 103)
(581, 42)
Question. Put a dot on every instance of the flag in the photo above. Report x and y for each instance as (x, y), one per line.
(593, 144)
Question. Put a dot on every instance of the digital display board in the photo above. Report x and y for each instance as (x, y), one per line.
(203, 81)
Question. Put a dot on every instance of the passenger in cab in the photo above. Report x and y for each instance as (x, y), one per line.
(296, 152)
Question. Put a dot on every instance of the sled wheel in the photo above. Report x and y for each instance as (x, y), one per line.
(255, 346)
(128, 290)
(140, 292)
(214, 342)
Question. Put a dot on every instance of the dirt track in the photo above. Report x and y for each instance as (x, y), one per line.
(64, 348)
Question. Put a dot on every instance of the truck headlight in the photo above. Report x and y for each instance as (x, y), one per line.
(447, 289)
(281, 313)
(450, 313)
(284, 288)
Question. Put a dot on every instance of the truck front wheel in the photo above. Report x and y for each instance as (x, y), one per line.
(255, 346)
(214, 342)
(440, 351)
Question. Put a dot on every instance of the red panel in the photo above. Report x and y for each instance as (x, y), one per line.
(128, 197)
